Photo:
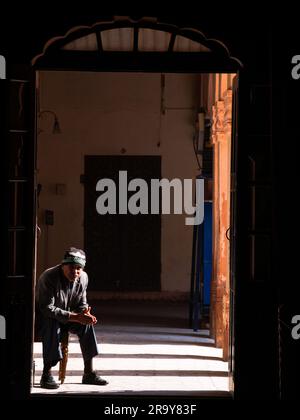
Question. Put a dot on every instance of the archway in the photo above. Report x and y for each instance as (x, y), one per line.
(205, 59)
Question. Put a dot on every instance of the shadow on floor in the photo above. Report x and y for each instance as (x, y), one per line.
(150, 313)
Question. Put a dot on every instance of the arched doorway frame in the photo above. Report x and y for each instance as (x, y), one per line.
(220, 61)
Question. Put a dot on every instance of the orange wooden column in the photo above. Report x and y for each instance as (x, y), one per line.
(221, 139)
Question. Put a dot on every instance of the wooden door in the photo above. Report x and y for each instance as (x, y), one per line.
(123, 250)
(17, 130)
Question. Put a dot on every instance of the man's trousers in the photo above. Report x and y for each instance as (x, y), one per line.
(51, 336)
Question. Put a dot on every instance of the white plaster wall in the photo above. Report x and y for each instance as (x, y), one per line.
(100, 114)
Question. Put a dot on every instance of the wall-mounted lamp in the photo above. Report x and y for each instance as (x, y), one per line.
(56, 127)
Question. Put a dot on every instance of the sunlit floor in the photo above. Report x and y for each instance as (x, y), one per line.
(144, 359)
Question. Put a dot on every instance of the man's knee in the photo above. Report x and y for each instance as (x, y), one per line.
(80, 329)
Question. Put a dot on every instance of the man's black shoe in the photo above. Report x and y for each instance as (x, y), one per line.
(47, 381)
(93, 379)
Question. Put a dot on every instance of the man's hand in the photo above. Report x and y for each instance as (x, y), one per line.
(85, 317)
(87, 311)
